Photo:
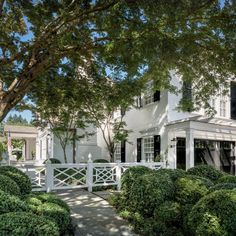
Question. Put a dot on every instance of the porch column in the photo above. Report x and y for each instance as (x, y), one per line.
(171, 160)
(189, 148)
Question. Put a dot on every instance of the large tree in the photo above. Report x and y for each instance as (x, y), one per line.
(106, 102)
(135, 38)
(58, 105)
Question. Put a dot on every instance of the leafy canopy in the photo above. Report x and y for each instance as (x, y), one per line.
(132, 38)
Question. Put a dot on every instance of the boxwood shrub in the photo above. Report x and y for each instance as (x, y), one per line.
(206, 171)
(227, 179)
(24, 224)
(53, 161)
(9, 186)
(149, 191)
(223, 186)
(214, 214)
(57, 214)
(130, 175)
(100, 161)
(10, 203)
(169, 212)
(173, 173)
(39, 198)
(189, 189)
(22, 180)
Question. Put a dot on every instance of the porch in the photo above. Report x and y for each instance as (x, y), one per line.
(200, 140)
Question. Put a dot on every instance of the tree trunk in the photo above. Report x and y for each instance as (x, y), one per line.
(74, 146)
(64, 152)
(112, 158)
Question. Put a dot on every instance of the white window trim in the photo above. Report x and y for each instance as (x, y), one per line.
(117, 153)
(148, 152)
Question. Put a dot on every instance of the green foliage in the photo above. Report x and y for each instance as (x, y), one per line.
(57, 214)
(174, 174)
(189, 189)
(100, 161)
(214, 214)
(9, 186)
(39, 198)
(19, 177)
(227, 179)
(223, 186)
(51, 206)
(53, 161)
(130, 175)
(16, 120)
(22, 224)
(169, 213)
(148, 191)
(10, 203)
(206, 171)
(3, 148)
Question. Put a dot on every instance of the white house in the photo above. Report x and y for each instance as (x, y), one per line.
(48, 146)
(183, 139)
(160, 131)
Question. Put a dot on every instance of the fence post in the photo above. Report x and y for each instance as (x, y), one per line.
(49, 176)
(89, 175)
(118, 175)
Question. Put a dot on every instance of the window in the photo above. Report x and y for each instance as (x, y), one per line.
(118, 151)
(150, 95)
(222, 108)
(148, 99)
(187, 97)
(213, 103)
(148, 149)
(233, 100)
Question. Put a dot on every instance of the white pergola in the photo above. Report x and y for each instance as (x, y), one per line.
(27, 133)
(197, 128)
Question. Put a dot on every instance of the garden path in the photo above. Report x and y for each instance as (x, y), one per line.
(93, 215)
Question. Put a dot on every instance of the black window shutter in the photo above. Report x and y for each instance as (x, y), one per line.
(233, 100)
(122, 151)
(157, 96)
(139, 149)
(157, 145)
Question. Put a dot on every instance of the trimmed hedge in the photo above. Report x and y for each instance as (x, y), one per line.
(214, 214)
(9, 203)
(169, 212)
(206, 171)
(23, 224)
(173, 173)
(53, 161)
(130, 175)
(223, 186)
(148, 192)
(227, 179)
(189, 189)
(39, 198)
(101, 161)
(57, 214)
(22, 180)
(9, 186)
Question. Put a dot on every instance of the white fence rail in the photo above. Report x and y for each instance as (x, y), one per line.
(68, 176)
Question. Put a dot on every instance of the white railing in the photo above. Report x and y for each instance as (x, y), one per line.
(68, 176)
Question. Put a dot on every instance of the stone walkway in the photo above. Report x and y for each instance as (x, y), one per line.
(93, 215)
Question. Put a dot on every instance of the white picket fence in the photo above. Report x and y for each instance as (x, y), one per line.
(50, 177)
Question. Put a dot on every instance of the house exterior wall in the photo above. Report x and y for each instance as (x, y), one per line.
(48, 146)
(152, 119)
